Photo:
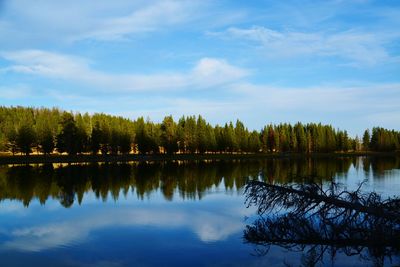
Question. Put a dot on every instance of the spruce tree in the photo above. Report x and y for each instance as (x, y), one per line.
(25, 138)
(67, 138)
(169, 135)
(203, 141)
(46, 141)
(95, 138)
(366, 140)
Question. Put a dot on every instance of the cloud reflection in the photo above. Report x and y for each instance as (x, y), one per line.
(208, 226)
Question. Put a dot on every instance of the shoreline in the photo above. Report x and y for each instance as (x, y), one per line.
(85, 158)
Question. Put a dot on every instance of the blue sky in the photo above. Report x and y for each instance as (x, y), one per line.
(335, 62)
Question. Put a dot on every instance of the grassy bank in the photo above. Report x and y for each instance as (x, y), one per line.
(22, 159)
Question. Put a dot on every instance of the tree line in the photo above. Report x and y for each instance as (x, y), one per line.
(26, 130)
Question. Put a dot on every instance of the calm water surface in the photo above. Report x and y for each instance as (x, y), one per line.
(161, 214)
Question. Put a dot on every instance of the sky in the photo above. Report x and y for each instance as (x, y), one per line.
(335, 62)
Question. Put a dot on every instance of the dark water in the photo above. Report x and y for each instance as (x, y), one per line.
(162, 214)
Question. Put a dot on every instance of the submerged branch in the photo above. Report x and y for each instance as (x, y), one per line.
(297, 217)
(301, 197)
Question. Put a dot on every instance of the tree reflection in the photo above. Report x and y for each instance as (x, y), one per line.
(69, 183)
(186, 180)
(321, 222)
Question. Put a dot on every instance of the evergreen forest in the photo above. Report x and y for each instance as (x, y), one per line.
(27, 130)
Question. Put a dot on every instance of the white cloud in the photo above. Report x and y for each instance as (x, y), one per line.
(159, 15)
(208, 226)
(351, 106)
(74, 20)
(206, 73)
(354, 46)
(45, 64)
(211, 71)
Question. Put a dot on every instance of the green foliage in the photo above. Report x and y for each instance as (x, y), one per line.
(3, 142)
(272, 139)
(301, 137)
(169, 135)
(254, 143)
(264, 139)
(366, 141)
(229, 136)
(83, 130)
(190, 134)
(10, 133)
(95, 138)
(202, 140)
(124, 144)
(46, 127)
(241, 137)
(24, 129)
(68, 140)
(384, 140)
(25, 138)
(147, 136)
(46, 142)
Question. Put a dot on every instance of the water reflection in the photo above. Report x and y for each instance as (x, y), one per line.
(186, 180)
(209, 227)
(323, 223)
(62, 215)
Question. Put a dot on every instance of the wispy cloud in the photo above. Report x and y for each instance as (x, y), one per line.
(152, 58)
(208, 226)
(207, 72)
(74, 20)
(354, 46)
(156, 16)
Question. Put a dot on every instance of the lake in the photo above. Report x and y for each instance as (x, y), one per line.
(165, 213)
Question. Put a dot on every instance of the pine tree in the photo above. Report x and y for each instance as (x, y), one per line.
(211, 139)
(11, 136)
(67, 138)
(46, 141)
(264, 139)
(81, 133)
(25, 138)
(241, 136)
(203, 142)
(169, 135)
(95, 138)
(366, 140)
(125, 142)
(230, 138)
(254, 143)
(293, 140)
(271, 144)
(301, 137)
(190, 130)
